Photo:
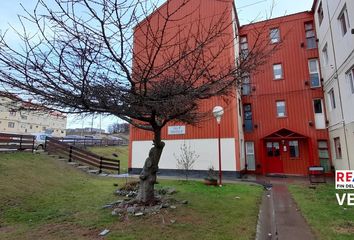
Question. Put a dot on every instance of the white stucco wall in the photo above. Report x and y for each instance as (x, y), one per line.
(207, 149)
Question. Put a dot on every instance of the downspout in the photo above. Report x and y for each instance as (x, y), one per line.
(339, 90)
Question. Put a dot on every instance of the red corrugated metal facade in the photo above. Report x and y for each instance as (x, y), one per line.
(267, 128)
(208, 10)
(294, 88)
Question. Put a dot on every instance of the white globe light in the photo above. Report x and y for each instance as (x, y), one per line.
(218, 111)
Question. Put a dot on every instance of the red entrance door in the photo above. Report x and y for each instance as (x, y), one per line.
(274, 161)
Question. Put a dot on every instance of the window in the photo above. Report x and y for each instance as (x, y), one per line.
(314, 73)
(24, 117)
(338, 148)
(277, 71)
(310, 36)
(239, 108)
(320, 13)
(350, 76)
(246, 86)
(332, 98)
(325, 54)
(317, 106)
(281, 109)
(344, 20)
(273, 149)
(324, 155)
(274, 35)
(12, 113)
(294, 149)
(247, 110)
(11, 124)
(244, 47)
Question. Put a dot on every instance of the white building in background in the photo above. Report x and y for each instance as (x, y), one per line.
(28, 122)
(335, 31)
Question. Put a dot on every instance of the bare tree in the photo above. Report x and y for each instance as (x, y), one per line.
(84, 59)
(186, 159)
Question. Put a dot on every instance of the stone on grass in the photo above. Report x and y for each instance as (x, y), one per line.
(138, 214)
(173, 207)
(104, 232)
(171, 191)
(107, 206)
(165, 205)
(172, 221)
(184, 202)
(131, 210)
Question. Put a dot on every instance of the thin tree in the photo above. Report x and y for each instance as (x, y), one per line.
(186, 159)
(112, 57)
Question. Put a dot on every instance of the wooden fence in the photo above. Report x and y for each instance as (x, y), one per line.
(88, 142)
(16, 142)
(73, 153)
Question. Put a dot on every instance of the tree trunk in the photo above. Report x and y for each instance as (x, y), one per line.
(148, 174)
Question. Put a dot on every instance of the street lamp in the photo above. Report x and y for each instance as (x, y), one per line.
(218, 112)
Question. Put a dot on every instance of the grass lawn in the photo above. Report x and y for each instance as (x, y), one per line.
(121, 151)
(44, 198)
(319, 206)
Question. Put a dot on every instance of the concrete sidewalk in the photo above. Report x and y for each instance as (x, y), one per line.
(279, 217)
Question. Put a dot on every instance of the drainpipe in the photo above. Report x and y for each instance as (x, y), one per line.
(337, 81)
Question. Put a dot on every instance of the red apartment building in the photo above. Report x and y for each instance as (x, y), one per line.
(283, 106)
(279, 127)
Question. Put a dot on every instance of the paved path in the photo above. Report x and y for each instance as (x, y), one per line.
(279, 217)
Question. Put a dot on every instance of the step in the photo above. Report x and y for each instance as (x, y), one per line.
(93, 171)
(73, 163)
(83, 167)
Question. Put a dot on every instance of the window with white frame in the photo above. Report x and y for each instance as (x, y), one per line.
(325, 54)
(332, 99)
(281, 108)
(344, 20)
(314, 73)
(244, 46)
(320, 13)
(294, 149)
(338, 148)
(246, 85)
(277, 71)
(11, 124)
(274, 35)
(350, 77)
(310, 36)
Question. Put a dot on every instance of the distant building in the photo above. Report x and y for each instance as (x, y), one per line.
(334, 24)
(29, 121)
(84, 131)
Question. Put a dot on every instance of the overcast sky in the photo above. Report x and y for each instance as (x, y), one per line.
(248, 10)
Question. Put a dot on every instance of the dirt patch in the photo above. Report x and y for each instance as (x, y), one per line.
(346, 228)
(62, 231)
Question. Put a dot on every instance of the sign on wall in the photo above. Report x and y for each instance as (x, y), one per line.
(176, 130)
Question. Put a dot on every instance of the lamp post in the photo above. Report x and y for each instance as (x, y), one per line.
(218, 112)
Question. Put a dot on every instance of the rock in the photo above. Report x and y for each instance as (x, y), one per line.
(172, 221)
(116, 202)
(171, 191)
(139, 214)
(131, 210)
(237, 197)
(118, 210)
(165, 205)
(173, 207)
(104, 232)
(107, 206)
(114, 213)
(184, 202)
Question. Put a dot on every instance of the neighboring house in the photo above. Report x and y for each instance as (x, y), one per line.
(29, 121)
(283, 104)
(335, 31)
